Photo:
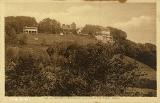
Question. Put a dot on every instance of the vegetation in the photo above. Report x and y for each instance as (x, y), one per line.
(49, 26)
(10, 37)
(69, 69)
(74, 65)
(18, 23)
(23, 40)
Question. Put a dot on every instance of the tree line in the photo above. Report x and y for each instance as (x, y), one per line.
(46, 25)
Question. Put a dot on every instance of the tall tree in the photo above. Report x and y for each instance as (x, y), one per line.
(10, 36)
(91, 29)
(48, 25)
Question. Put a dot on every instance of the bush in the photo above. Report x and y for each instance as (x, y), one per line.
(44, 42)
(146, 83)
(10, 37)
(24, 40)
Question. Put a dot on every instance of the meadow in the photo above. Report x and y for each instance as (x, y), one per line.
(51, 38)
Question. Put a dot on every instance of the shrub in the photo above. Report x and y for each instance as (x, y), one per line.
(23, 40)
(44, 42)
(10, 37)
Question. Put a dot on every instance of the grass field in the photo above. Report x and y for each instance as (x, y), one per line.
(51, 38)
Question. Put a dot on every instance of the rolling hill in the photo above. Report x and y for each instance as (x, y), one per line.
(148, 72)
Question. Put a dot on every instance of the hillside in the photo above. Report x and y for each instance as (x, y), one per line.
(51, 38)
(149, 73)
(52, 64)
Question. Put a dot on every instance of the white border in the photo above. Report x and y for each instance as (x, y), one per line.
(4, 99)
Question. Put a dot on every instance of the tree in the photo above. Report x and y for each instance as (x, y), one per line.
(73, 26)
(91, 29)
(10, 36)
(48, 25)
(150, 47)
(118, 34)
(24, 40)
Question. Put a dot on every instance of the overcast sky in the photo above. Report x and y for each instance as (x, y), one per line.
(138, 20)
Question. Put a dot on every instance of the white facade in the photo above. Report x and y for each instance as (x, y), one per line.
(104, 36)
(30, 30)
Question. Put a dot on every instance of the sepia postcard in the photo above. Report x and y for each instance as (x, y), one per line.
(82, 51)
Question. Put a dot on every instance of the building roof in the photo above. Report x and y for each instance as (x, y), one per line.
(30, 27)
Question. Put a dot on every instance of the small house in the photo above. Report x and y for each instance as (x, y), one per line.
(30, 30)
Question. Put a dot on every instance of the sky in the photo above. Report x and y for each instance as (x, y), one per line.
(138, 20)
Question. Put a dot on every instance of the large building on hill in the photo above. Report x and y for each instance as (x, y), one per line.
(30, 30)
(104, 35)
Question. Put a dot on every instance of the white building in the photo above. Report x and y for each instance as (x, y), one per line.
(30, 30)
(104, 35)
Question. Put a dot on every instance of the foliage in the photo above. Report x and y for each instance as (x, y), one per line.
(146, 83)
(91, 64)
(145, 53)
(10, 37)
(91, 29)
(44, 42)
(117, 34)
(72, 70)
(19, 22)
(23, 40)
(49, 26)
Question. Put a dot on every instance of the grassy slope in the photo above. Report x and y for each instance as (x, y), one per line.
(50, 38)
(150, 72)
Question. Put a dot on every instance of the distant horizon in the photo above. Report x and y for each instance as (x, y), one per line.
(138, 20)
